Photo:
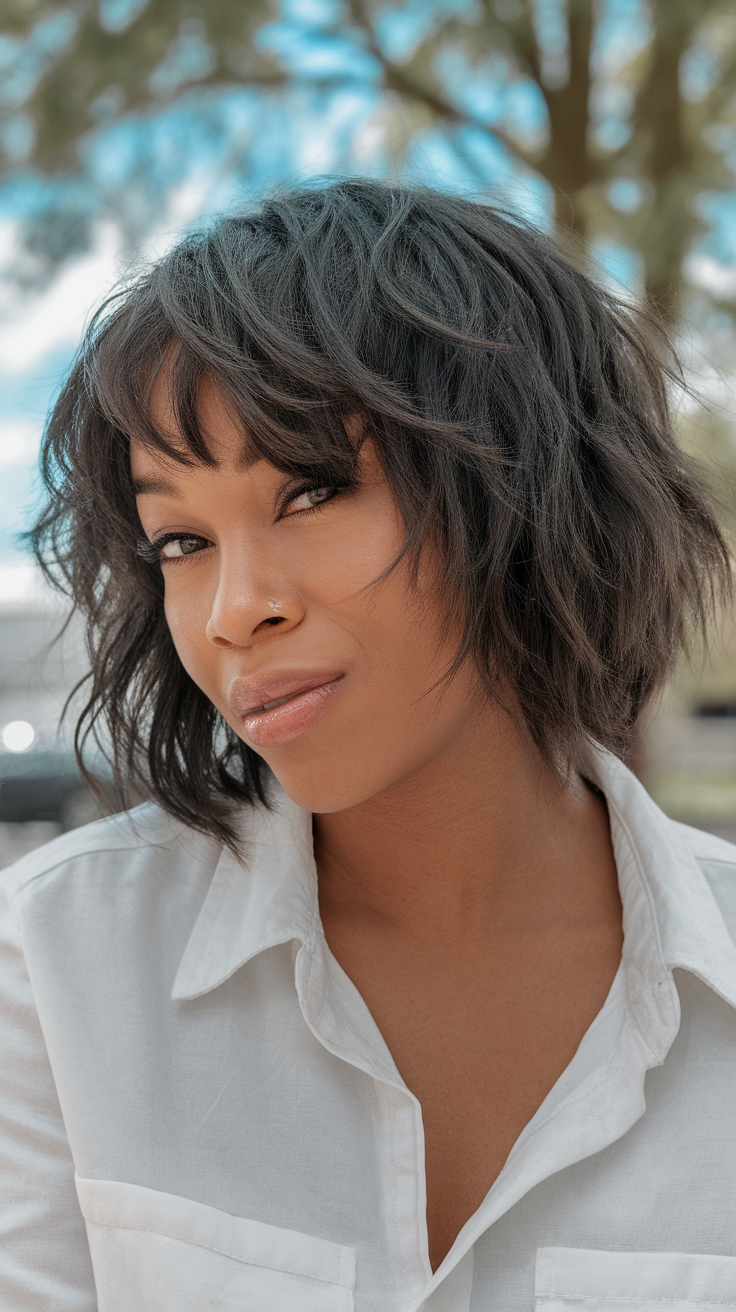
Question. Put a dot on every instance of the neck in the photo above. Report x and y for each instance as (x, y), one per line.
(483, 834)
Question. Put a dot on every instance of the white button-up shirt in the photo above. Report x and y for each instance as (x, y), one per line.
(197, 1110)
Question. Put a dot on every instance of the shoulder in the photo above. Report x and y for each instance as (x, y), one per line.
(717, 860)
(109, 906)
(138, 842)
(706, 847)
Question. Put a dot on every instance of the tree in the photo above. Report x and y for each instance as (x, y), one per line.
(627, 146)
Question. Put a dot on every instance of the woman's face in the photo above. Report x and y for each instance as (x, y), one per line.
(272, 606)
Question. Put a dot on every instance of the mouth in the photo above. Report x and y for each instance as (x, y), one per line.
(270, 706)
(275, 710)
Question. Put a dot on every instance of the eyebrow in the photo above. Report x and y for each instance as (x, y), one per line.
(161, 487)
(154, 487)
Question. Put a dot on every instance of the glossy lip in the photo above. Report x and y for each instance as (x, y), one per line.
(307, 693)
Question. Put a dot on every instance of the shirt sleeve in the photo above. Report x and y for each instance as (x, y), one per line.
(44, 1256)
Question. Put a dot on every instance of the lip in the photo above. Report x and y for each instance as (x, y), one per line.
(307, 694)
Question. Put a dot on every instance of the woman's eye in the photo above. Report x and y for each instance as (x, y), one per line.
(176, 547)
(311, 497)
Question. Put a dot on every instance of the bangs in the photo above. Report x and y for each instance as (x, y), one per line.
(298, 432)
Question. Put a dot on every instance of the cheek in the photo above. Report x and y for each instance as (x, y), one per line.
(337, 567)
(400, 635)
(186, 616)
(408, 707)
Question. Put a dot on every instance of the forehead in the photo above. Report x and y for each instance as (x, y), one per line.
(219, 427)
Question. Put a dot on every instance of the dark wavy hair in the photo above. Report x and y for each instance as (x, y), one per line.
(521, 416)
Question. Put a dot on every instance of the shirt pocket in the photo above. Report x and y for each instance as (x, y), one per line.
(583, 1280)
(157, 1252)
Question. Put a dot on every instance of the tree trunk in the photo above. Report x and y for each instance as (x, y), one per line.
(667, 222)
(568, 165)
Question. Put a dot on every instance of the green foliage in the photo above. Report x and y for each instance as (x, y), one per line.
(103, 71)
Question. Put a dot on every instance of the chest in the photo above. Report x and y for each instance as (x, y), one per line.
(480, 1037)
(232, 1100)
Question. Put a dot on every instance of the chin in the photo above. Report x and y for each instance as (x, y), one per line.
(322, 796)
(334, 786)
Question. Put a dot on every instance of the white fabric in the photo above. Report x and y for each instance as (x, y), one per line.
(174, 1029)
(589, 1281)
(151, 1249)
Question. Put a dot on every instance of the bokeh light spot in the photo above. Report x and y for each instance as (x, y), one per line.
(18, 735)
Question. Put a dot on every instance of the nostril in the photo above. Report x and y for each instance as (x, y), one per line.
(272, 619)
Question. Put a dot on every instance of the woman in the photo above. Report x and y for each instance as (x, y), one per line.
(384, 541)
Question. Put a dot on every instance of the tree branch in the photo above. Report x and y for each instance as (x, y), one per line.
(397, 78)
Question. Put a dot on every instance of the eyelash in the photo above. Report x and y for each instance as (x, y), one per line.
(295, 493)
(151, 551)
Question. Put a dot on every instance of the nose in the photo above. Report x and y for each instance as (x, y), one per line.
(247, 608)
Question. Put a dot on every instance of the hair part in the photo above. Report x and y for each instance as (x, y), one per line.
(521, 417)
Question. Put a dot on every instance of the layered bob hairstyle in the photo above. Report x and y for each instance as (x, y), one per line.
(521, 417)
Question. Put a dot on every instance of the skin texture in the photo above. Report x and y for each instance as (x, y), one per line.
(472, 900)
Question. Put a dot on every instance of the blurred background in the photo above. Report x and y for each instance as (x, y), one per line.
(124, 122)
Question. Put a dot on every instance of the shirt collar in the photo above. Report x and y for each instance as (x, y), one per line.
(267, 897)
(671, 918)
